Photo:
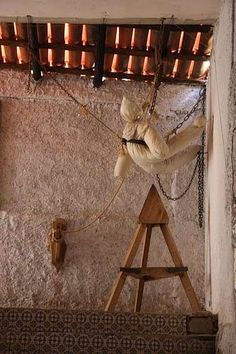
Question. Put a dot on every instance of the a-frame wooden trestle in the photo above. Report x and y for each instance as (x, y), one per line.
(153, 214)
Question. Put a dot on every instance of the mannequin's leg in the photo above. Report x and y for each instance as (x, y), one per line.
(183, 139)
(160, 150)
(175, 162)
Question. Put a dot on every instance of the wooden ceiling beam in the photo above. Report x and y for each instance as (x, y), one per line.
(186, 56)
(99, 55)
(167, 56)
(121, 75)
(171, 27)
(72, 47)
(76, 71)
(17, 66)
(34, 47)
(109, 50)
(58, 69)
(189, 28)
(14, 43)
(115, 75)
(140, 77)
(164, 51)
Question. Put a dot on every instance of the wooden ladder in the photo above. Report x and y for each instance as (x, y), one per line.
(153, 214)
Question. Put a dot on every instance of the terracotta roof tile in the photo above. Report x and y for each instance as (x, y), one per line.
(128, 50)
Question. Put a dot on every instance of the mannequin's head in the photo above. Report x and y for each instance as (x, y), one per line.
(130, 111)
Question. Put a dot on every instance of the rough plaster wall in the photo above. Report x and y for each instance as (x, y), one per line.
(56, 162)
(219, 270)
(232, 106)
(233, 125)
(108, 10)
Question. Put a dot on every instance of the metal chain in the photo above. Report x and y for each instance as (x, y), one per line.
(199, 166)
(201, 99)
(174, 199)
(201, 169)
(157, 83)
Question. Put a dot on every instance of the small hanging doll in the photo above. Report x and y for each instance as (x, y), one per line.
(143, 144)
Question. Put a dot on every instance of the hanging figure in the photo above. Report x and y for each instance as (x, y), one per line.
(143, 144)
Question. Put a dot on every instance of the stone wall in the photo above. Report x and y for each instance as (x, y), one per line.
(57, 162)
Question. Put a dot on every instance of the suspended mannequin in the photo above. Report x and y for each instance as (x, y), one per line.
(143, 144)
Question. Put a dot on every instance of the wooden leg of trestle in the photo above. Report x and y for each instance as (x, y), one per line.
(119, 283)
(179, 263)
(139, 295)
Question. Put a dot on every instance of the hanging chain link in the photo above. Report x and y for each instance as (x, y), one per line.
(201, 168)
(174, 199)
(199, 165)
(201, 100)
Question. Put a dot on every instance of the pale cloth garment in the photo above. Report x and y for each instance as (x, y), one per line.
(159, 155)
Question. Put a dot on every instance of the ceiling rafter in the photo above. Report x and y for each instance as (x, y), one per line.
(34, 47)
(100, 53)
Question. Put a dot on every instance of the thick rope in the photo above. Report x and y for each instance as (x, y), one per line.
(86, 110)
(96, 218)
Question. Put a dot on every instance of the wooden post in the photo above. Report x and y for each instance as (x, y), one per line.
(146, 246)
(99, 55)
(152, 214)
(163, 51)
(179, 263)
(34, 48)
(119, 283)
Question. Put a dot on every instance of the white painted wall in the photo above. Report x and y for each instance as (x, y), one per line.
(138, 11)
(57, 162)
(219, 260)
